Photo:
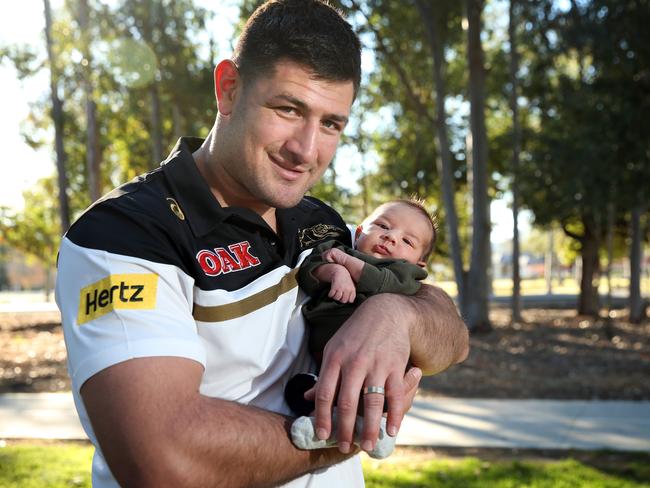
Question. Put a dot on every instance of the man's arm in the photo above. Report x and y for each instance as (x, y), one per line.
(373, 348)
(156, 429)
(439, 337)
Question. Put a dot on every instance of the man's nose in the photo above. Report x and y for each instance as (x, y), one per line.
(304, 142)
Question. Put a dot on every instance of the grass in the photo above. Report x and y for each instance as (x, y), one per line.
(537, 286)
(424, 471)
(59, 465)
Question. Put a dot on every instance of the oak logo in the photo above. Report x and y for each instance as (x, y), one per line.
(117, 292)
(221, 260)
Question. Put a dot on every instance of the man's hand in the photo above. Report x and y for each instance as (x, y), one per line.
(411, 382)
(342, 287)
(373, 348)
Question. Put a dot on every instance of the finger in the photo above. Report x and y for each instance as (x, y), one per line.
(353, 295)
(310, 394)
(411, 382)
(334, 294)
(395, 399)
(325, 390)
(373, 404)
(346, 406)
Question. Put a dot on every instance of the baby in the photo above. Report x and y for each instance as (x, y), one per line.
(392, 246)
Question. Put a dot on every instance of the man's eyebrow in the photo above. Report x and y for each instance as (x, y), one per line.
(303, 106)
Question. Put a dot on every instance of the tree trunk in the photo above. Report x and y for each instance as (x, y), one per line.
(57, 117)
(147, 32)
(93, 152)
(432, 23)
(637, 308)
(610, 252)
(156, 129)
(516, 148)
(588, 303)
(548, 262)
(477, 298)
(177, 120)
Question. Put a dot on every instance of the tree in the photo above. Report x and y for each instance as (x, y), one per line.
(637, 306)
(477, 288)
(35, 230)
(516, 148)
(57, 118)
(93, 151)
(435, 24)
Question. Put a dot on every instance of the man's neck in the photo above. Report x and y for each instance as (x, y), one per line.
(227, 194)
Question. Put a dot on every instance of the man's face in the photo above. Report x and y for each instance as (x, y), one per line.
(280, 135)
(395, 230)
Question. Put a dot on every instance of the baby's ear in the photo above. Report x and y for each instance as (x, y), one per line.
(357, 232)
(422, 264)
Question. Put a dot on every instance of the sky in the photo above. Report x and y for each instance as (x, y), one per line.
(22, 166)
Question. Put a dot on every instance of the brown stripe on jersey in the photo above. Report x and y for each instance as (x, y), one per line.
(243, 307)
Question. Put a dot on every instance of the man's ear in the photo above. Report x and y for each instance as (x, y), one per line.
(227, 82)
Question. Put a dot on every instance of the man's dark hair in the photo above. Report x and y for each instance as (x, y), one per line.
(311, 33)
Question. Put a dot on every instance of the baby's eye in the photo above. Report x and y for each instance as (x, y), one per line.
(383, 226)
(408, 242)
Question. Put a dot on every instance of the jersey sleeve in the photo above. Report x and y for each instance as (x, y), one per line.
(116, 307)
(389, 276)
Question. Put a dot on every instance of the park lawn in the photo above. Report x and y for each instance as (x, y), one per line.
(51, 465)
(502, 287)
(468, 472)
(68, 465)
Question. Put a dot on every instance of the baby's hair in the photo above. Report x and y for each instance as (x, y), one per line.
(418, 204)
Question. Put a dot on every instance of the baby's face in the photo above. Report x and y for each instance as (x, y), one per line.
(395, 230)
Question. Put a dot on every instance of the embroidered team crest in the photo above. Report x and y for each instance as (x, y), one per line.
(310, 236)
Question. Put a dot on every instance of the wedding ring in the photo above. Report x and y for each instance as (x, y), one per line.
(374, 389)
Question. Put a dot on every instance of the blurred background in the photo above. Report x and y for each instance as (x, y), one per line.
(493, 111)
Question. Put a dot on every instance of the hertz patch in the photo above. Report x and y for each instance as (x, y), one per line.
(117, 292)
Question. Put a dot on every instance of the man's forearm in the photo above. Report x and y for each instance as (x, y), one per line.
(438, 336)
(155, 429)
(245, 446)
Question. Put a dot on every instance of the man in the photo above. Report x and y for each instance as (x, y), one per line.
(178, 295)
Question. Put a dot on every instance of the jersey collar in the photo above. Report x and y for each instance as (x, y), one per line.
(202, 210)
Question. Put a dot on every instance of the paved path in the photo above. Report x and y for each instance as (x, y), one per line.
(436, 422)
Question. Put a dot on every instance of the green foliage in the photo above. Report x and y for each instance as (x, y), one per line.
(124, 69)
(56, 466)
(586, 141)
(35, 230)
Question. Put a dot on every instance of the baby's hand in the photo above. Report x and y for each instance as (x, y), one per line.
(342, 288)
(335, 255)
